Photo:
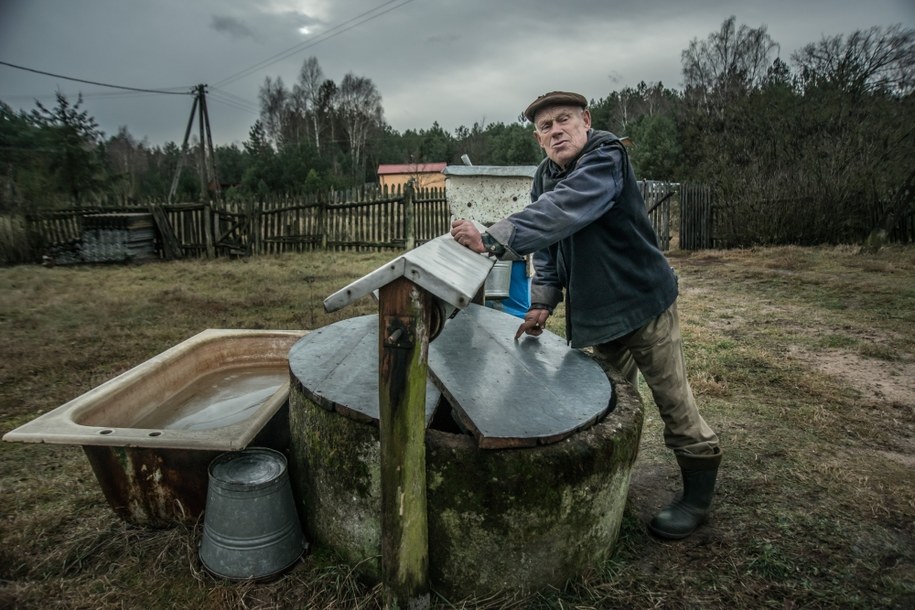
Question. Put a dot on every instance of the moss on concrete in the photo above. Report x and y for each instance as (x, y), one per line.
(511, 519)
(523, 519)
(336, 481)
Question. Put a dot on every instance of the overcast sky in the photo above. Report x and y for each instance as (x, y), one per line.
(453, 61)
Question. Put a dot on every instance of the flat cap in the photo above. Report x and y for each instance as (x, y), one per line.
(554, 98)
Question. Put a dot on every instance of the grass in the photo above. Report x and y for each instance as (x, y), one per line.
(816, 498)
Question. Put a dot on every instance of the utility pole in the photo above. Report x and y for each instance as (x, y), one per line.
(207, 157)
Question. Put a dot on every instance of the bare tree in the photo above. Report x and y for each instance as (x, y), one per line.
(295, 117)
(729, 63)
(359, 104)
(273, 97)
(865, 61)
(309, 87)
(625, 100)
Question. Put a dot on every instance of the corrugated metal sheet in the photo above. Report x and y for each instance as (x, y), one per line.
(117, 237)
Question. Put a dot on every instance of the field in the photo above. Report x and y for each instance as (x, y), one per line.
(803, 360)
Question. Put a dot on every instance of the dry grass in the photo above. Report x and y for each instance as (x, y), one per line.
(816, 501)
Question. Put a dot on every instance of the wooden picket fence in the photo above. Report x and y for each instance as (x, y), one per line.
(368, 219)
(697, 217)
(362, 220)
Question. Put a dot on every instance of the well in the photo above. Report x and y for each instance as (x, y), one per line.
(499, 519)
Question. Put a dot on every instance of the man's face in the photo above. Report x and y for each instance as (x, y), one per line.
(562, 132)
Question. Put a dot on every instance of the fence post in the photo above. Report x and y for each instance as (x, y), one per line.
(171, 246)
(208, 229)
(252, 229)
(31, 236)
(323, 202)
(409, 229)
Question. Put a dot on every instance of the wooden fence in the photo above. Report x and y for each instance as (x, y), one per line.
(373, 220)
(354, 220)
(363, 220)
(697, 217)
(659, 197)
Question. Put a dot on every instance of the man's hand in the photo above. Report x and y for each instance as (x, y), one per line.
(467, 235)
(534, 323)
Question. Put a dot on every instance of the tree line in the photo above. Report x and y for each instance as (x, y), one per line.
(813, 148)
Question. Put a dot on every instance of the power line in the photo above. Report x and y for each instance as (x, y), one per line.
(293, 49)
(227, 98)
(89, 82)
(331, 33)
(227, 101)
(235, 98)
(87, 95)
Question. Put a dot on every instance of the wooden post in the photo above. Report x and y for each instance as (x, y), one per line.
(403, 339)
(322, 223)
(208, 230)
(211, 167)
(252, 227)
(323, 218)
(203, 154)
(171, 247)
(32, 252)
(187, 134)
(409, 230)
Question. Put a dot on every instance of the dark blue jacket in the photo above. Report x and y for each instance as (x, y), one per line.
(590, 234)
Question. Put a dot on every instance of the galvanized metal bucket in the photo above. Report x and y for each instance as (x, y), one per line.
(251, 529)
(498, 282)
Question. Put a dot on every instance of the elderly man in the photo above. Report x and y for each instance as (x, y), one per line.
(591, 239)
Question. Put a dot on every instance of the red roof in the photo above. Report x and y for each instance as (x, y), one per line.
(411, 168)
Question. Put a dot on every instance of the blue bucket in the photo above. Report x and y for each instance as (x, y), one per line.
(251, 529)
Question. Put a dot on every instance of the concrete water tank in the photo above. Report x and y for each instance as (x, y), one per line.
(529, 449)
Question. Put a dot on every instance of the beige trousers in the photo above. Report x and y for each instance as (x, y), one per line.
(656, 350)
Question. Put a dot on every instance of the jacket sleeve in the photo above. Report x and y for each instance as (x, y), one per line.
(585, 194)
(546, 288)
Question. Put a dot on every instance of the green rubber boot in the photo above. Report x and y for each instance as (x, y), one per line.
(690, 508)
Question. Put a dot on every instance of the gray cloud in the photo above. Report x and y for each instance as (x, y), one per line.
(456, 63)
(231, 26)
(446, 39)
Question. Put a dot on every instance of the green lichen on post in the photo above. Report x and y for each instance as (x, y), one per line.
(413, 551)
(404, 311)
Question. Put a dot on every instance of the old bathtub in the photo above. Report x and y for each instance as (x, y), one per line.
(151, 432)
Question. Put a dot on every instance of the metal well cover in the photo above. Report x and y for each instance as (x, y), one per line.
(507, 393)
